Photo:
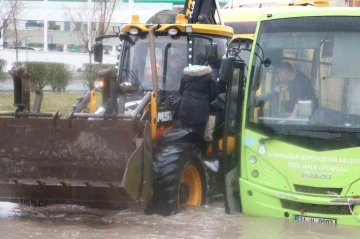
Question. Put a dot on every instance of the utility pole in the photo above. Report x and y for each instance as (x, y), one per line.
(131, 6)
(26, 45)
(89, 31)
(45, 7)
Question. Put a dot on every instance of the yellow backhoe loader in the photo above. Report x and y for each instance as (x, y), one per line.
(113, 157)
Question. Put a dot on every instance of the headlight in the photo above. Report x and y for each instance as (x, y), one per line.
(134, 31)
(255, 173)
(252, 160)
(173, 32)
(125, 84)
(98, 84)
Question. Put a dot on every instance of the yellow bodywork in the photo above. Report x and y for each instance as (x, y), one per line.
(274, 3)
(207, 29)
(92, 103)
(231, 143)
(191, 177)
(153, 114)
(189, 7)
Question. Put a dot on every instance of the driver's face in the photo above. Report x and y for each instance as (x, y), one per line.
(284, 76)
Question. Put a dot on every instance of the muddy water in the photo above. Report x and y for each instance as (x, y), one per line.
(64, 221)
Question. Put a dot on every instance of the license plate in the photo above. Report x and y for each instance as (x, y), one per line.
(315, 219)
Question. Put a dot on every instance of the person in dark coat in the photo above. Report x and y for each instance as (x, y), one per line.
(299, 87)
(296, 83)
(197, 89)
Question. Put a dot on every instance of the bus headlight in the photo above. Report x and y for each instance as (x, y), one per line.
(252, 160)
(255, 173)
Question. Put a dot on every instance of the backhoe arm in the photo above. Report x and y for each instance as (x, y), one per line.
(202, 11)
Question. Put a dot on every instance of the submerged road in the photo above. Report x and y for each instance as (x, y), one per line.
(68, 221)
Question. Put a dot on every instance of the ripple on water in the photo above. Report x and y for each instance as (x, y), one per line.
(70, 221)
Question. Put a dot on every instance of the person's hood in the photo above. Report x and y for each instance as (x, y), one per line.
(196, 70)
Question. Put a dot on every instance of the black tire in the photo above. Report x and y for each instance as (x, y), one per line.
(169, 164)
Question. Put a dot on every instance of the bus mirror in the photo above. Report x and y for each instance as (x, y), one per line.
(211, 50)
(98, 52)
(227, 70)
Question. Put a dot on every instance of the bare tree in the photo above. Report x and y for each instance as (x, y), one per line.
(92, 13)
(11, 14)
(8, 9)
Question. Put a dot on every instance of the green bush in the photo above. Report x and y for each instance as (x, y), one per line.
(57, 75)
(18, 64)
(2, 70)
(38, 72)
(91, 72)
(60, 76)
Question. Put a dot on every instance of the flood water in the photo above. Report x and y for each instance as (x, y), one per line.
(68, 221)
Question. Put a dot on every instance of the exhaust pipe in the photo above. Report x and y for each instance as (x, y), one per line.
(154, 75)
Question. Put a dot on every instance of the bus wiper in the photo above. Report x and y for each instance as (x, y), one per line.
(333, 134)
(264, 140)
(305, 133)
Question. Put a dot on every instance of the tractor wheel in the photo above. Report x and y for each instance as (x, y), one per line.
(179, 179)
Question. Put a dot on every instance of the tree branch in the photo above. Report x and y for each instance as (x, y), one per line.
(100, 12)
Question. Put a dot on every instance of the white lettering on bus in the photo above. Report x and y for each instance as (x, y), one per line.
(305, 161)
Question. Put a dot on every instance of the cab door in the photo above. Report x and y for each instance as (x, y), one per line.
(230, 147)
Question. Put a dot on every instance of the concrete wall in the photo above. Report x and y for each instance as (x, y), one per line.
(54, 37)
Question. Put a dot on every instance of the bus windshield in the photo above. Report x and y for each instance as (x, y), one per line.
(312, 79)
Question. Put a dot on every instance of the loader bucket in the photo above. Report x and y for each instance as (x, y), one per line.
(85, 162)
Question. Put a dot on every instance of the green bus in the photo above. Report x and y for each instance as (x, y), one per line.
(298, 117)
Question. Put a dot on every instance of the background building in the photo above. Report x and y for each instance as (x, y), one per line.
(46, 28)
(58, 30)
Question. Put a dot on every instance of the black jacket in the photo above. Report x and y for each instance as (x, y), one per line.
(300, 88)
(197, 89)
